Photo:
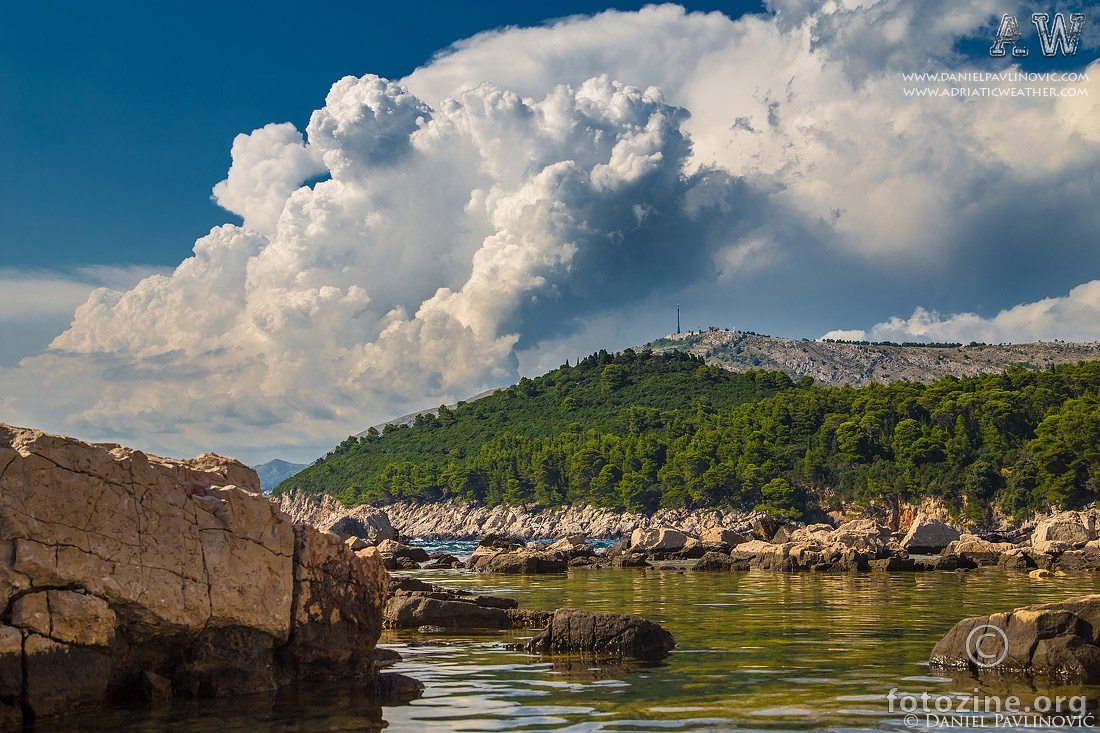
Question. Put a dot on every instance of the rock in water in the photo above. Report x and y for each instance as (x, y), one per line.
(928, 536)
(1059, 641)
(602, 634)
(717, 561)
(121, 571)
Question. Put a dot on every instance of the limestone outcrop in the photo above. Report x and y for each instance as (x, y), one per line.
(971, 551)
(123, 574)
(928, 535)
(1064, 531)
(453, 520)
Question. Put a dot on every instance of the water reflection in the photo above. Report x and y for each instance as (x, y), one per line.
(757, 651)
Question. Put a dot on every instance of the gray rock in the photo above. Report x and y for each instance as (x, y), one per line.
(718, 562)
(1064, 531)
(1087, 558)
(721, 537)
(629, 560)
(659, 539)
(416, 609)
(443, 562)
(765, 526)
(398, 550)
(366, 522)
(606, 634)
(524, 561)
(500, 543)
(927, 536)
(971, 551)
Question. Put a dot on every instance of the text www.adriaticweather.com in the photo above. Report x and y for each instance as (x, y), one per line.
(995, 92)
(1010, 84)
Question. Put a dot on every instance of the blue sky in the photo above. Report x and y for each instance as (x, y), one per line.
(119, 115)
(415, 201)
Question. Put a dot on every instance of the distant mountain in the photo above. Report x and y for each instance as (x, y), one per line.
(860, 363)
(274, 472)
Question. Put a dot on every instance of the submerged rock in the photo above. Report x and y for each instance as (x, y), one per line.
(120, 571)
(608, 634)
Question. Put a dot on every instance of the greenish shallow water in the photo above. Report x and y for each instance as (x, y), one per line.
(756, 651)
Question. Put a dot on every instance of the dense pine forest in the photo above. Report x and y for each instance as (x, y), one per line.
(637, 431)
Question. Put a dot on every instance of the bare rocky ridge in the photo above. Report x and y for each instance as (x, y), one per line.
(468, 521)
(127, 575)
(836, 363)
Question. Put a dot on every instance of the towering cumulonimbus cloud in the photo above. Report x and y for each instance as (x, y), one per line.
(510, 200)
(399, 276)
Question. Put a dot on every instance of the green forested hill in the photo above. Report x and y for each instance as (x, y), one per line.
(638, 430)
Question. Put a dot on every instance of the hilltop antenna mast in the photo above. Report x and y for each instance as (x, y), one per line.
(677, 318)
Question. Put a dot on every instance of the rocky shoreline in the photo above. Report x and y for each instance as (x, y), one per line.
(1064, 542)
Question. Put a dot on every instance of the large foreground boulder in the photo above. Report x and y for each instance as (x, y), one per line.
(122, 572)
(602, 634)
(1056, 641)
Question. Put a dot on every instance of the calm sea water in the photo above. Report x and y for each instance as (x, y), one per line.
(756, 651)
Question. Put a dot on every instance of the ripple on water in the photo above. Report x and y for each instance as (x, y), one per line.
(792, 653)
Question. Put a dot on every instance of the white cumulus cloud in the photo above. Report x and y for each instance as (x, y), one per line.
(527, 188)
(1073, 317)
